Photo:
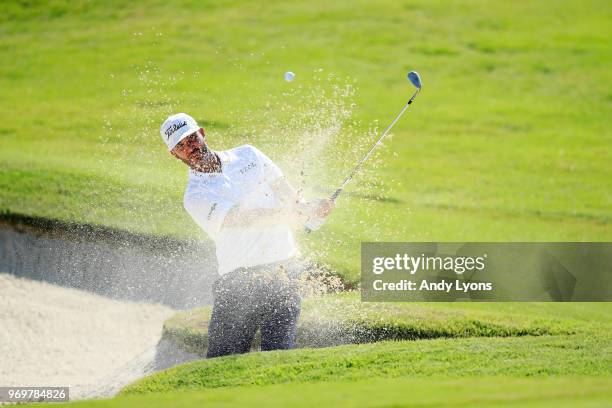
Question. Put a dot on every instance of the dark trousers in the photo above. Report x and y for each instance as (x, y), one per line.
(247, 299)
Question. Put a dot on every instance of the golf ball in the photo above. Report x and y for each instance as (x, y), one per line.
(289, 76)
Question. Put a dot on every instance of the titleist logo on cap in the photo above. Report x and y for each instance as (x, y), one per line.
(174, 128)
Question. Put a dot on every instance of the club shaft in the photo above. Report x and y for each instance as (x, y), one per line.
(369, 153)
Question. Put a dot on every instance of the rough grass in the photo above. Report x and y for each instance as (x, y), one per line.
(554, 369)
(508, 141)
(587, 351)
(439, 358)
(343, 319)
(401, 392)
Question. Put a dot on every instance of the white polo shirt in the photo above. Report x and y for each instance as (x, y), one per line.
(245, 179)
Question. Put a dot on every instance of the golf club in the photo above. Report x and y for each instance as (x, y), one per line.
(415, 79)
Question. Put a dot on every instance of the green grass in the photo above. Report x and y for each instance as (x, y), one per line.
(512, 339)
(440, 358)
(483, 392)
(341, 319)
(508, 141)
(555, 369)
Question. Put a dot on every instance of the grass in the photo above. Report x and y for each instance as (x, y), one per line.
(508, 141)
(341, 319)
(559, 368)
(449, 340)
(484, 392)
(436, 359)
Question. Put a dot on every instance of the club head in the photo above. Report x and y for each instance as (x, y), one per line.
(414, 77)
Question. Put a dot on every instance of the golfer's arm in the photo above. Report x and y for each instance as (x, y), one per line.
(287, 213)
(237, 217)
(285, 193)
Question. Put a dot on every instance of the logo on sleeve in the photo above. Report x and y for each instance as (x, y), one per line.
(247, 167)
(174, 128)
(212, 210)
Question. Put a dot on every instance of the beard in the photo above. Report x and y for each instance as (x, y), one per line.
(202, 159)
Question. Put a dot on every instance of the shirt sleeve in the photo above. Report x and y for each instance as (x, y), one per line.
(208, 211)
(271, 171)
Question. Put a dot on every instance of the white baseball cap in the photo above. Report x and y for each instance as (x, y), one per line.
(176, 128)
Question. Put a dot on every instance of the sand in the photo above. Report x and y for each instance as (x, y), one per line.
(56, 336)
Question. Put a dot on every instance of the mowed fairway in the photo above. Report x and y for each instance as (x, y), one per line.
(509, 140)
(481, 392)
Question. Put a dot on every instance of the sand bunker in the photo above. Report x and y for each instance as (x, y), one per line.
(55, 336)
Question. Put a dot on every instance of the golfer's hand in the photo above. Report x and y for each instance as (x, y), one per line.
(317, 211)
(322, 208)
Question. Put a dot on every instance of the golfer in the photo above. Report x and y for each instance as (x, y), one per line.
(241, 199)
